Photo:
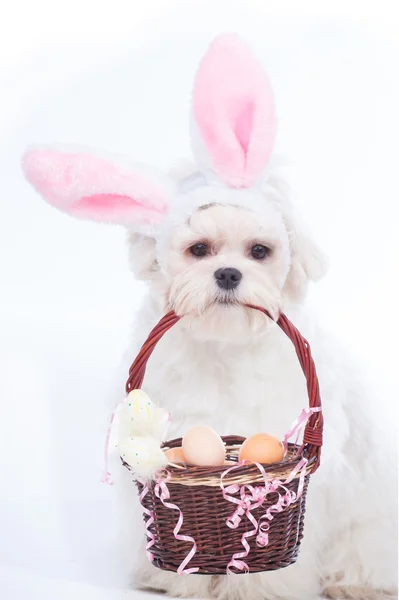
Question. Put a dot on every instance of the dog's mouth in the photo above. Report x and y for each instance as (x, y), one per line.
(227, 299)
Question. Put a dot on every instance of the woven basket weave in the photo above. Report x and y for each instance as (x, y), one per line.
(196, 490)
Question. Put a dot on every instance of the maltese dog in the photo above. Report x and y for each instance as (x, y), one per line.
(209, 240)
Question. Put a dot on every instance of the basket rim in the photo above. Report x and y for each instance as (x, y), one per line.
(246, 473)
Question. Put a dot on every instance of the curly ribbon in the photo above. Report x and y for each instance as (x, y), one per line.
(162, 492)
(251, 497)
(148, 522)
(107, 478)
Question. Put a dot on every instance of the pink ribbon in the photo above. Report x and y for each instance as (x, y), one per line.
(162, 492)
(149, 521)
(107, 478)
(298, 424)
(251, 497)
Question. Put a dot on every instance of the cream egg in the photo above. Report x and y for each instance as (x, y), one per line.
(262, 448)
(202, 446)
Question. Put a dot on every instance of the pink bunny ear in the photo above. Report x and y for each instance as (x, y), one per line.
(90, 187)
(233, 110)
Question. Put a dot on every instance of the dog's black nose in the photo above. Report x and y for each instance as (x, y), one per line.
(228, 279)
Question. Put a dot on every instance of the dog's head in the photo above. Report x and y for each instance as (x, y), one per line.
(212, 241)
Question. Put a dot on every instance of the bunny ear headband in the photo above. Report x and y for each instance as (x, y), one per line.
(233, 130)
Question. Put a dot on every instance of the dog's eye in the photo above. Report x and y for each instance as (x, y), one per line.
(199, 249)
(259, 251)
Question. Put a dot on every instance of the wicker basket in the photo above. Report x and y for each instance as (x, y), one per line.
(196, 491)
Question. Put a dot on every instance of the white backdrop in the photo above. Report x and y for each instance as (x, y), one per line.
(122, 82)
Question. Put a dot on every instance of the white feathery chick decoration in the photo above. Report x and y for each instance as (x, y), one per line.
(142, 429)
(143, 455)
(145, 417)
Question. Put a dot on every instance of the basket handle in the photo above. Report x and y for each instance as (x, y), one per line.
(313, 435)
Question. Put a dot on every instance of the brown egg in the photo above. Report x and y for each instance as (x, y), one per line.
(175, 455)
(262, 448)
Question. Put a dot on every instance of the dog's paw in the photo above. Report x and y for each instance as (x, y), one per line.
(357, 592)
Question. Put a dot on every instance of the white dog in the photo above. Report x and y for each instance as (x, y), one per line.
(208, 243)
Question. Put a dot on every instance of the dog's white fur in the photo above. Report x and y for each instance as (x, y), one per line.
(225, 366)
